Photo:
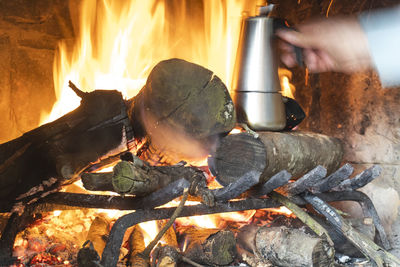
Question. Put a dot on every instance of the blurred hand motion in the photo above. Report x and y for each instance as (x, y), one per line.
(331, 44)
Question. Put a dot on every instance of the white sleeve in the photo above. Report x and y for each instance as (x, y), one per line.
(382, 28)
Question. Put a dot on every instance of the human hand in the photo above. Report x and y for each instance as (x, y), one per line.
(334, 44)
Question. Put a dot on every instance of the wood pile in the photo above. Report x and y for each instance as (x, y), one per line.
(185, 112)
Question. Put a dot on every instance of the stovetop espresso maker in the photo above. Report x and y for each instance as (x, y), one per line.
(256, 86)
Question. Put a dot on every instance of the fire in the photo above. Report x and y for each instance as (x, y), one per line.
(150, 230)
(118, 42)
(288, 89)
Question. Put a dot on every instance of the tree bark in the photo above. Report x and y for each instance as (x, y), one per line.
(287, 247)
(211, 246)
(167, 256)
(271, 152)
(53, 153)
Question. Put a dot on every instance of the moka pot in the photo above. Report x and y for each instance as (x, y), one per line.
(256, 87)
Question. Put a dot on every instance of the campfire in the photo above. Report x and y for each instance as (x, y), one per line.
(142, 160)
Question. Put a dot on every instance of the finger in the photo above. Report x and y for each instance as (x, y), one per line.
(286, 47)
(311, 60)
(326, 61)
(289, 59)
(293, 37)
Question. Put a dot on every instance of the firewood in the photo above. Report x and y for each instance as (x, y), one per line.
(284, 246)
(101, 181)
(167, 256)
(88, 256)
(292, 247)
(271, 152)
(182, 101)
(111, 251)
(211, 246)
(58, 151)
(136, 244)
(181, 109)
(98, 233)
(170, 235)
(140, 178)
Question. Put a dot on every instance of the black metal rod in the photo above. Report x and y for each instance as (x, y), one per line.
(113, 246)
(238, 187)
(155, 199)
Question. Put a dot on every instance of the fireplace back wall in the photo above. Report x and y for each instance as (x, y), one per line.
(354, 108)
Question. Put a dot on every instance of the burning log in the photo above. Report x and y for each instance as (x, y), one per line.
(271, 152)
(109, 257)
(98, 233)
(170, 235)
(181, 110)
(36, 162)
(287, 247)
(183, 107)
(167, 256)
(210, 246)
(88, 256)
(136, 243)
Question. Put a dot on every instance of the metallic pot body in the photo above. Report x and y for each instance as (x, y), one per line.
(256, 86)
(261, 111)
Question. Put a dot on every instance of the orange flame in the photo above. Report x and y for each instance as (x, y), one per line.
(118, 42)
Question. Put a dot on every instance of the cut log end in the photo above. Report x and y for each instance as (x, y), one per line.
(237, 155)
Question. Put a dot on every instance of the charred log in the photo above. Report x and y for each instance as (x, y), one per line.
(211, 247)
(271, 152)
(88, 256)
(183, 108)
(63, 148)
(110, 253)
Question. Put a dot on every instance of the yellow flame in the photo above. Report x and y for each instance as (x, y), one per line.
(118, 43)
(150, 230)
(281, 210)
(288, 89)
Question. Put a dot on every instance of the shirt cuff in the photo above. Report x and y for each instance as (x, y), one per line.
(382, 29)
